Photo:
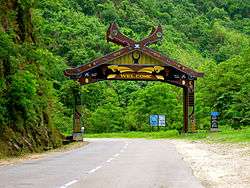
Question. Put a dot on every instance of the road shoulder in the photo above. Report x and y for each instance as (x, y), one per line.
(37, 156)
(217, 164)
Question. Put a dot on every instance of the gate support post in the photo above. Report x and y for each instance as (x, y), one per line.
(189, 107)
(77, 135)
(185, 109)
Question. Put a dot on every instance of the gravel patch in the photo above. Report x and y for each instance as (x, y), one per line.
(217, 165)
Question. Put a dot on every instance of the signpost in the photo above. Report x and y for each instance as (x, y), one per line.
(214, 121)
(162, 121)
(157, 120)
(154, 119)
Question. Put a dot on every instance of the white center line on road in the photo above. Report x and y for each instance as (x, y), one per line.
(116, 155)
(95, 169)
(69, 184)
(109, 160)
(124, 147)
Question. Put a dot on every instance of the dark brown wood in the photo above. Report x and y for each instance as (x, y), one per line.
(155, 36)
(77, 113)
(191, 104)
(131, 46)
(71, 72)
(97, 62)
(185, 109)
(191, 99)
(115, 36)
(171, 63)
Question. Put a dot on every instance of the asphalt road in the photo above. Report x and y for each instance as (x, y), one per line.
(105, 163)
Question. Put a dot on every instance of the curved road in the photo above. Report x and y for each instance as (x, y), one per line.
(105, 163)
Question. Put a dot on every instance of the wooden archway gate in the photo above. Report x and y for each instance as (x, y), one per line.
(135, 61)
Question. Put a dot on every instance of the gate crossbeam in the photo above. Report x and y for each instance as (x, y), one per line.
(136, 61)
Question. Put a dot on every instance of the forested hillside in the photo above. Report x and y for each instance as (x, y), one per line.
(40, 38)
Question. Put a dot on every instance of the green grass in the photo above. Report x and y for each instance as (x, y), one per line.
(228, 135)
(225, 135)
(149, 135)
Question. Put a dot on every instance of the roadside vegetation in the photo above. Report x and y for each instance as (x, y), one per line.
(225, 134)
(41, 38)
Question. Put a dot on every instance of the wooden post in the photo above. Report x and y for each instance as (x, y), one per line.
(185, 109)
(77, 135)
(192, 112)
(191, 105)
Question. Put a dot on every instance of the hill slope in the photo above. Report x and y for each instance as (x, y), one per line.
(39, 39)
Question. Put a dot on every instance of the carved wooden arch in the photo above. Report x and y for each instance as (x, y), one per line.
(136, 61)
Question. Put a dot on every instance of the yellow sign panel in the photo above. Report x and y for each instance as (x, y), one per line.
(135, 76)
(120, 69)
(123, 69)
(130, 72)
(136, 58)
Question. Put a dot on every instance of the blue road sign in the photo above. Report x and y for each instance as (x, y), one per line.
(215, 113)
(162, 120)
(214, 120)
(154, 120)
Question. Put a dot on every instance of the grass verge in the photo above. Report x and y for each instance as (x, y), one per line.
(149, 135)
(225, 135)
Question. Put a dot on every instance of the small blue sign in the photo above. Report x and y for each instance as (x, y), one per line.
(215, 114)
(154, 120)
(162, 120)
(214, 120)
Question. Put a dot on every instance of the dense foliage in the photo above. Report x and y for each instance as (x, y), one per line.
(209, 35)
